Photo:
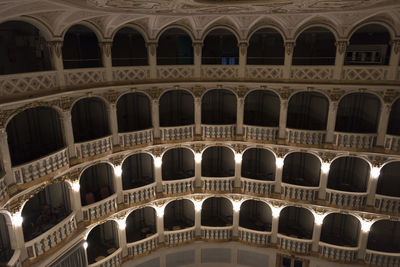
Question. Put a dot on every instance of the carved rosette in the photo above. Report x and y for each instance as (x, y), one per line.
(341, 46)
(289, 48)
(335, 94)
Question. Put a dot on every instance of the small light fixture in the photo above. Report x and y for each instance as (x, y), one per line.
(375, 172)
(118, 171)
(157, 162)
(279, 162)
(160, 211)
(276, 211)
(366, 226)
(17, 219)
(238, 158)
(121, 224)
(319, 218)
(325, 166)
(198, 205)
(75, 186)
(198, 157)
(85, 245)
(236, 205)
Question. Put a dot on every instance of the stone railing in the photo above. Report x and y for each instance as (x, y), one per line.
(130, 73)
(354, 140)
(99, 208)
(337, 253)
(179, 236)
(255, 237)
(178, 133)
(365, 73)
(217, 184)
(353, 200)
(175, 72)
(299, 192)
(258, 133)
(380, 258)
(219, 71)
(12, 84)
(51, 237)
(41, 167)
(93, 147)
(15, 260)
(218, 131)
(257, 187)
(387, 204)
(143, 246)
(216, 233)
(74, 77)
(178, 186)
(392, 143)
(112, 260)
(294, 244)
(3, 189)
(305, 137)
(264, 72)
(140, 194)
(311, 72)
(137, 138)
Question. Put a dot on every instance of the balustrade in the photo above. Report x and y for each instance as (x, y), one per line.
(264, 72)
(258, 133)
(179, 236)
(75, 77)
(294, 244)
(140, 194)
(392, 143)
(216, 233)
(178, 133)
(354, 200)
(15, 260)
(337, 253)
(136, 138)
(218, 131)
(387, 204)
(299, 192)
(130, 73)
(312, 72)
(99, 208)
(143, 246)
(112, 260)
(365, 73)
(354, 140)
(178, 186)
(305, 137)
(380, 258)
(175, 72)
(94, 147)
(219, 71)
(255, 237)
(3, 189)
(257, 187)
(217, 184)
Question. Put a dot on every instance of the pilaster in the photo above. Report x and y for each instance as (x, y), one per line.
(242, 58)
(55, 48)
(152, 57)
(383, 124)
(68, 133)
(331, 122)
(394, 60)
(289, 49)
(316, 236)
(105, 48)
(283, 119)
(6, 158)
(113, 122)
(341, 47)
(197, 49)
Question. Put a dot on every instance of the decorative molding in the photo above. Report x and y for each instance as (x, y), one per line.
(239, 148)
(289, 47)
(55, 47)
(111, 96)
(242, 91)
(280, 152)
(327, 156)
(106, 48)
(198, 91)
(341, 46)
(198, 147)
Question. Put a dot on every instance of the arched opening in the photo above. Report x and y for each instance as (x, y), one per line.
(217, 161)
(141, 223)
(96, 183)
(179, 214)
(217, 211)
(358, 113)
(340, 230)
(177, 163)
(220, 48)
(369, 45)
(45, 210)
(308, 111)
(266, 48)
(255, 215)
(6, 252)
(348, 174)
(175, 48)
(261, 108)
(81, 48)
(128, 48)
(23, 48)
(296, 222)
(301, 169)
(102, 241)
(133, 113)
(34, 133)
(389, 180)
(394, 119)
(176, 108)
(218, 106)
(258, 164)
(384, 236)
(137, 171)
(89, 119)
(315, 46)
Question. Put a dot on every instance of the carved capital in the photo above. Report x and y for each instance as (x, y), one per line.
(389, 95)
(341, 46)
(285, 92)
(117, 161)
(289, 48)
(243, 48)
(157, 151)
(198, 148)
(154, 93)
(396, 45)
(239, 148)
(111, 96)
(198, 91)
(377, 161)
(327, 156)
(55, 48)
(242, 91)
(152, 47)
(106, 48)
(335, 94)
(281, 152)
(197, 47)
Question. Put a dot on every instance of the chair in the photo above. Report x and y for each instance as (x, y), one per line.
(89, 198)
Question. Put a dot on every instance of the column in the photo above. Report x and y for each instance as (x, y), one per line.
(239, 116)
(105, 48)
(158, 178)
(238, 170)
(289, 48)
(118, 188)
(6, 158)
(122, 239)
(394, 60)
(160, 224)
(197, 115)
(278, 179)
(235, 223)
(362, 244)
(155, 116)
(197, 171)
(152, 56)
(75, 199)
(323, 181)
(371, 189)
(68, 133)
(55, 48)
(316, 236)
(197, 220)
(197, 49)
(242, 58)
(341, 47)
(274, 229)
(383, 124)
(330, 125)
(283, 118)
(113, 122)
(19, 240)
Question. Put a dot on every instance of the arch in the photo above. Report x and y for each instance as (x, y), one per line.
(394, 119)
(218, 106)
(255, 215)
(175, 26)
(177, 163)
(370, 21)
(262, 108)
(141, 223)
(296, 221)
(384, 235)
(129, 48)
(358, 113)
(301, 169)
(308, 110)
(389, 180)
(176, 108)
(179, 214)
(266, 47)
(25, 46)
(348, 174)
(100, 239)
(137, 171)
(134, 112)
(318, 21)
(175, 47)
(89, 119)
(259, 164)
(340, 229)
(81, 47)
(34, 133)
(220, 47)
(218, 161)
(217, 211)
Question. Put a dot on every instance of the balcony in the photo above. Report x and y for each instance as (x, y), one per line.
(216, 233)
(78, 77)
(217, 184)
(387, 204)
(95, 147)
(305, 137)
(143, 246)
(100, 208)
(137, 138)
(178, 186)
(140, 194)
(179, 236)
(294, 244)
(218, 132)
(354, 140)
(258, 238)
(392, 143)
(260, 134)
(112, 260)
(353, 200)
(298, 192)
(257, 187)
(337, 253)
(178, 134)
(382, 258)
